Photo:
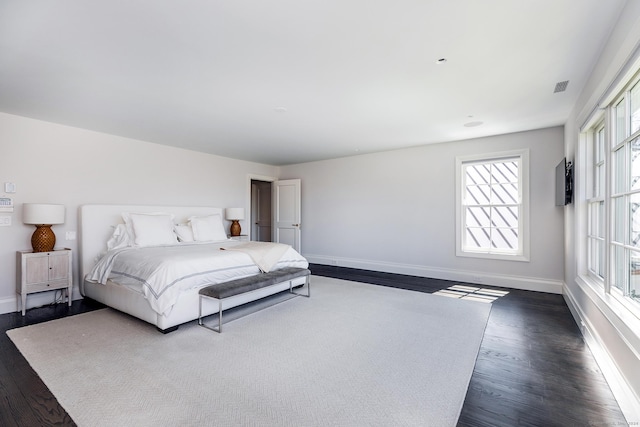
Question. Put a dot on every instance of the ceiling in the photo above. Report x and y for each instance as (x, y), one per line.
(292, 81)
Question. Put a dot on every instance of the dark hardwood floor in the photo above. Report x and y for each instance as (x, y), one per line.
(533, 368)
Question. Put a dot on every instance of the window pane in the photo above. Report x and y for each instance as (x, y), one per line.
(476, 238)
(618, 218)
(596, 256)
(635, 164)
(505, 216)
(599, 181)
(478, 195)
(478, 174)
(596, 220)
(618, 168)
(621, 133)
(634, 220)
(619, 268)
(505, 238)
(477, 217)
(634, 276)
(599, 146)
(600, 232)
(505, 172)
(600, 256)
(635, 108)
(503, 194)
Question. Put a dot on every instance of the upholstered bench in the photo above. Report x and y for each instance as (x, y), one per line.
(235, 287)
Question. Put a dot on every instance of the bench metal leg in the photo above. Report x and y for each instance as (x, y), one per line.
(307, 282)
(201, 323)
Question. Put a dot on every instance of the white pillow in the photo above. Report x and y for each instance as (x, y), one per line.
(184, 232)
(120, 238)
(207, 228)
(152, 229)
(126, 216)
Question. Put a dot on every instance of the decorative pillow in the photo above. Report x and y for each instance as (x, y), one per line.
(184, 232)
(152, 229)
(207, 228)
(120, 238)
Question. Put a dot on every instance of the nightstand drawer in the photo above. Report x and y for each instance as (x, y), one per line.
(39, 287)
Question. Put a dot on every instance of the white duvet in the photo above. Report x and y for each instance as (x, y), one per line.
(161, 273)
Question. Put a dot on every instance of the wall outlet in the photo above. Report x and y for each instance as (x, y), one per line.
(70, 235)
(5, 220)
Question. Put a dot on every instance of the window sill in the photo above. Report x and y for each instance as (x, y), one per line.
(619, 315)
(497, 257)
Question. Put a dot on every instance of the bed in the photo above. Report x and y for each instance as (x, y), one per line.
(168, 296)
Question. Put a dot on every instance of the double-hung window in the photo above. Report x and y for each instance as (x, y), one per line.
(492, 206)
(596, 211)
(624, 246)
(613, 198)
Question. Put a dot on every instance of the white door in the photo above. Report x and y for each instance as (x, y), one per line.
(286, 212)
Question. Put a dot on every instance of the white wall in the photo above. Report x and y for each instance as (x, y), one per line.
(51, 163)
(612, 333)
(395, 212)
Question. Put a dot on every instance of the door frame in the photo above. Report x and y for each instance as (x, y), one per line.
(253, 177)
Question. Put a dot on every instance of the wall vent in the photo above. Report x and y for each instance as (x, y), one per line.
(561, 86)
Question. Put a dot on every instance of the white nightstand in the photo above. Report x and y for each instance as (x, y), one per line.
(43, 271)
(242, 237)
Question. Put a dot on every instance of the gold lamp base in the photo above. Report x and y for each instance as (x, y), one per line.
(43, 239)
(235, 227)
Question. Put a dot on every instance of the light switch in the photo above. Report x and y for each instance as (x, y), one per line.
(9, 187)
(70, 235)
(5, 220)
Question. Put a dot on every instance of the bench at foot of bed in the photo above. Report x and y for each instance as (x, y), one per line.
(248, 284)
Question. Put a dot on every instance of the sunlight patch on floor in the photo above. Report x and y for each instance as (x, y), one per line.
(471, 293)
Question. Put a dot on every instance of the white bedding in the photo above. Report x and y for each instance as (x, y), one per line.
(161, 273)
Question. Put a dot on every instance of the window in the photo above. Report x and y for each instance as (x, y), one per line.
(595, 224)
(613, 224)
(492, 206)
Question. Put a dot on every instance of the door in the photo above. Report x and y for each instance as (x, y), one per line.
(286, 212)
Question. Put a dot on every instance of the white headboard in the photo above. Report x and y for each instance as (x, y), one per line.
(97, 224)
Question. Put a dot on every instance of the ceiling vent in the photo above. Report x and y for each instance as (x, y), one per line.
(561, 86)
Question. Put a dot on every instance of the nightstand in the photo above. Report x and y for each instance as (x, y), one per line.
(43, 271)
(242, 237)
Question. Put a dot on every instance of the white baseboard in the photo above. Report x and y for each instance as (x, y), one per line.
(488, 279)
(10, 304)
(623, 393)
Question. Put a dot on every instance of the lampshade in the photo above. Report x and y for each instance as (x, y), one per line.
(37, 213)
(234, 213)
(42, 216)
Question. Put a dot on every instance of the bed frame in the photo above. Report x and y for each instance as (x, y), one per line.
(96, 226)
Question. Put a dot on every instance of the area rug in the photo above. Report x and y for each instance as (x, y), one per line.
(351, 355)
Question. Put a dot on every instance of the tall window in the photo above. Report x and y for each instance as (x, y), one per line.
(492, 206)
(595, 227)
(625, 195)
(615, 165)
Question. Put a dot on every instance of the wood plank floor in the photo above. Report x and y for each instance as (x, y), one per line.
(533, 369)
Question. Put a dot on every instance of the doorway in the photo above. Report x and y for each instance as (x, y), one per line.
(261, 211)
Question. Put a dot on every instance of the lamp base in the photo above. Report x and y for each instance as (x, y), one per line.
(235, 228)
(43, 239)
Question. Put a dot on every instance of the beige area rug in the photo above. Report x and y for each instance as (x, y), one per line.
(351, 355)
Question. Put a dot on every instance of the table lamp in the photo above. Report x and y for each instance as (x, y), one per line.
(43, 216)
(234, 215)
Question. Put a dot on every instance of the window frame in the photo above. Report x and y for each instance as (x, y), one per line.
(522, 254)
(617, 193)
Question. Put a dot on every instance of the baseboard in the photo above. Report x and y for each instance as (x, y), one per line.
(487, 279)
(10, 304)
(626, 398)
